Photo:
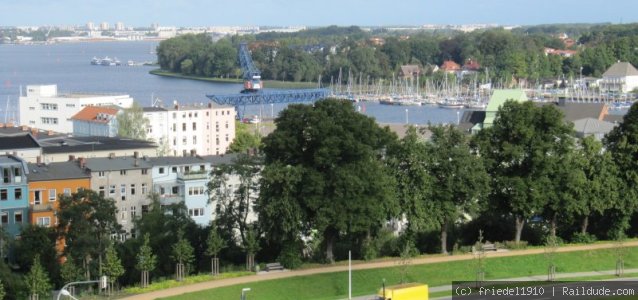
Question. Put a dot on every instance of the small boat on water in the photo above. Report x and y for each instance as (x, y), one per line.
(476, 105)
(451, 104)
(96, 61)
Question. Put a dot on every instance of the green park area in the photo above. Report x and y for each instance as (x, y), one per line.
(366, 282)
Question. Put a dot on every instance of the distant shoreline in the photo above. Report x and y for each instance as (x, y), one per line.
(267, 83)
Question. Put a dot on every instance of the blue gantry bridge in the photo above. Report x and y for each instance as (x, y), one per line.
(253, 94)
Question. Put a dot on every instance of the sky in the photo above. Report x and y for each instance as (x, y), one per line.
(315, 13)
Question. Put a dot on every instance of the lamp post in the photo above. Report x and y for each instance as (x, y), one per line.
(272, 110)
(243, 293)
(406, 116)
(458, 117)
(63, 291)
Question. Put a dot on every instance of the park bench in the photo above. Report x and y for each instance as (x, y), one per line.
(274, 266)
(486, 247)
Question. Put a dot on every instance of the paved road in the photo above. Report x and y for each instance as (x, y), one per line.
(344, 267)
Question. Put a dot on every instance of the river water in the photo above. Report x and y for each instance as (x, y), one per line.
(68, 66)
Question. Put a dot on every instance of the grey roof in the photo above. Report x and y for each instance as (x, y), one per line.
(471, 118)
(573, 111)
(91, 143)
(592, 126)
(189, 160)
(621, 69)
(56, 171)
(97, 164)
(614, 118)
(18, 141)
(10, 159)
(152, 109)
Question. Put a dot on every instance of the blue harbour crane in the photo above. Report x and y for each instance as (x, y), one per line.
(254, 94)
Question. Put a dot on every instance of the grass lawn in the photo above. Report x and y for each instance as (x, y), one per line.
(365, 282)
(267, 83)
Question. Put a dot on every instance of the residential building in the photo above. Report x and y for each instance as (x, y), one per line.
(563, 53)
(191, 130)
(450, 66)
(57, 149)
(125, 180)
(410, 71)
(44, 108)
(621, 77)
(499, 97)
(95, 121)
(21, 144)
(14, 194)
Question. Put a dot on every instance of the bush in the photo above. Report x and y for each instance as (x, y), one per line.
(513, 245)
(290, 256)
(583, 238)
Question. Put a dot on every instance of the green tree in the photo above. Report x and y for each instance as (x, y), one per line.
(518, 151)
(251, 246)
(131, 123)
(37, 280)
(69, 272)
(146, 260)
(344, 183)
(622, 142)
(214, 244)
(112, 268)
(37, 240)
(244, 139)
(2, 291)
(182, 255)
(460, 179)
(86, 221)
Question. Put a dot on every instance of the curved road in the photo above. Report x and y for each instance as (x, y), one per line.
(359, 266)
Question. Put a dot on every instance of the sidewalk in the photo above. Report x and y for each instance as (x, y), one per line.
(357, 266)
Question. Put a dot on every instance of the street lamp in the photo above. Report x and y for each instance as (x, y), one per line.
(458, 117)
(272, 111)
(243, 293)
(64, 292)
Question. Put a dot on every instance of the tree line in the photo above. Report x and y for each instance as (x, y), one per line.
(329, 180)
(324, 53)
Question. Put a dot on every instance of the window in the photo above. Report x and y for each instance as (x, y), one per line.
(37, 197)
(143, 188)
(133, 211)
(217, 126)
(111, 189)
(175, 190)
(194, 126)
(49, 106)
(70, 105)
(174, 141)
(6, 175)
(183, 126)
(53, 121)
(144, 171)
(31, 108)
(228, 112)
(196, 212)
(216, 113)
(194, 140)
(174, 115)
(207, 125)
(132, 189)
(17, 194)
(222, 112)
(195, 114)
(17, 217)
(144, 209)
(207, 114)
(44, 221)
(202, 167)
(190, 115)
(4, 194)
(227, 137)
(174, 127)
(100, 174)
(161, 170)
(5, 218)
(122, 172)
(123, 191)
(217, 141)
(226, 124)
(67, 192)
(187, 169)
(162, 191)
(16, 172)
(52, 194)
(174, 169)
(184, 141)
(102, 191)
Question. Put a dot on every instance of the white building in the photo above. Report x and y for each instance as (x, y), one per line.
(189, 130)
(104, 26)
(119, 26)
(90, 26)
(42, 107)
(621, 77)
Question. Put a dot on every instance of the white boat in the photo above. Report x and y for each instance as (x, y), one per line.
(96, 61)
(451, 104)
(476, 105)
(106, 61)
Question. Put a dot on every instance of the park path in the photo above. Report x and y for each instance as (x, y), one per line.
(357, 266)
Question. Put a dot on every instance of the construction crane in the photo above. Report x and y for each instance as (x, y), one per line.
(253, 93)
(252, 75)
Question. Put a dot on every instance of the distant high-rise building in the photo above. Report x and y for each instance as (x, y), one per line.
(119, 26)
(90, 26)
(104, 26)
(154, 26)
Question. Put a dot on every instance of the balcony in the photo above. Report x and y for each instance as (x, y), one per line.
(192, 176)
(171, 199)
(41, 207)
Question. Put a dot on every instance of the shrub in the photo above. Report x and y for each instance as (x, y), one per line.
(290, 256)
(513, 245)
(583, 238)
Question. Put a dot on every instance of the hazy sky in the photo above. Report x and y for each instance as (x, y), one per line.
(317, 12)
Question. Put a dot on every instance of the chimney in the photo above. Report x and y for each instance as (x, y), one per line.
(136, 163)
(136, 154)
(210, 105)
(34, 132)
(50, 132)
(82, 161)
(111, 155)
(24, 127)
(71, 157)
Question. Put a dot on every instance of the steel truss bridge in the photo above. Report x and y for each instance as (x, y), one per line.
(269, 96)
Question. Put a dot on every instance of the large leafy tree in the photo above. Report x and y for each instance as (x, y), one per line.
(622, 142)
(37, 240)
(131, 123)
(459, 178)
(86, 221)
(520, 150)
(339, 157)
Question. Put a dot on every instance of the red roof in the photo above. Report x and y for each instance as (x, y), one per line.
(450, 65)
(471, 65)
(91, 114)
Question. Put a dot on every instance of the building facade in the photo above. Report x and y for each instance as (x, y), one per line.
(621, 77)
(191, 130)
(14, 193)
(95, 121)
(44, 108)
(125, 180)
